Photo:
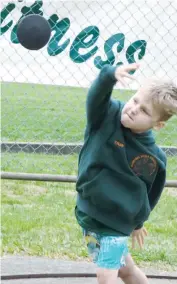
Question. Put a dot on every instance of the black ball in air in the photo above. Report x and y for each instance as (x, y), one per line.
(33, 32)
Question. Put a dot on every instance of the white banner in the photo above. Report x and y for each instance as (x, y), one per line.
(86, 35)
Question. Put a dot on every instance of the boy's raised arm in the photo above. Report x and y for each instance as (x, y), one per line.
(99, 96)
(100, 91)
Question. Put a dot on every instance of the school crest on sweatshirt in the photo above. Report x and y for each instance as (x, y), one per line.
(144, 165)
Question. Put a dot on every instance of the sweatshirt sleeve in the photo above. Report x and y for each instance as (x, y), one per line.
(155, 192)
(139, 226)
(99, 94)
(156, 189)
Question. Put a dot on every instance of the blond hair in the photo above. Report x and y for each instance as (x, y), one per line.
(164, 97)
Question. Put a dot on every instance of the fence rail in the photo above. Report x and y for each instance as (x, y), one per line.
(56, 178)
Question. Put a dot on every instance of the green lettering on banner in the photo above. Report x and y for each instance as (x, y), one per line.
(131, 51)
(33, 9)
(117, 38)
(80, 42)
(84, 40)
(4, 13)
(60, 29)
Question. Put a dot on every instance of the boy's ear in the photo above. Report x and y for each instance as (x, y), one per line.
(159, 125)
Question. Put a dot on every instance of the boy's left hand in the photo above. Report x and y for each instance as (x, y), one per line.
(138, 236)
(122, 72)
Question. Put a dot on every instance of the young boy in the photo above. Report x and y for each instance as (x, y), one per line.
(121, 170)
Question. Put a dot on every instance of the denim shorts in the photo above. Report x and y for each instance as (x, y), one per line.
(106, 251)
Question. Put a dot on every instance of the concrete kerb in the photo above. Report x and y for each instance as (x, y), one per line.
(16, 265)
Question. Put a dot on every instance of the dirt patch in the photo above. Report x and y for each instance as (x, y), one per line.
(70, 192)
(34, 189)
(14, 189)
(172, 191)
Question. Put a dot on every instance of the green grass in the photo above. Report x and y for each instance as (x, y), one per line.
(53, 164)
(44, 113)
(38, 219)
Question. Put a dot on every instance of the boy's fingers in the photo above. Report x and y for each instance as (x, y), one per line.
(133, 242)
(125, 74)
(122, 81)
(145, 232)
(142, 239)
(132, 66)
(139, 241)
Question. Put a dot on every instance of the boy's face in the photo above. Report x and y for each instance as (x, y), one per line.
(139, 114)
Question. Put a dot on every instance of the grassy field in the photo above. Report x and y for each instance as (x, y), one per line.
(47, 113)
(38, 219)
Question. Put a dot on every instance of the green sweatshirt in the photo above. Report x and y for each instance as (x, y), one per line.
(121, 174)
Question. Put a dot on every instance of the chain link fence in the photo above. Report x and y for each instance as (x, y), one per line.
(44, 92)
(43, 108)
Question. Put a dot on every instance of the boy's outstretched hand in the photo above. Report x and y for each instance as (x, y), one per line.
(138, 236)
(123, 71)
